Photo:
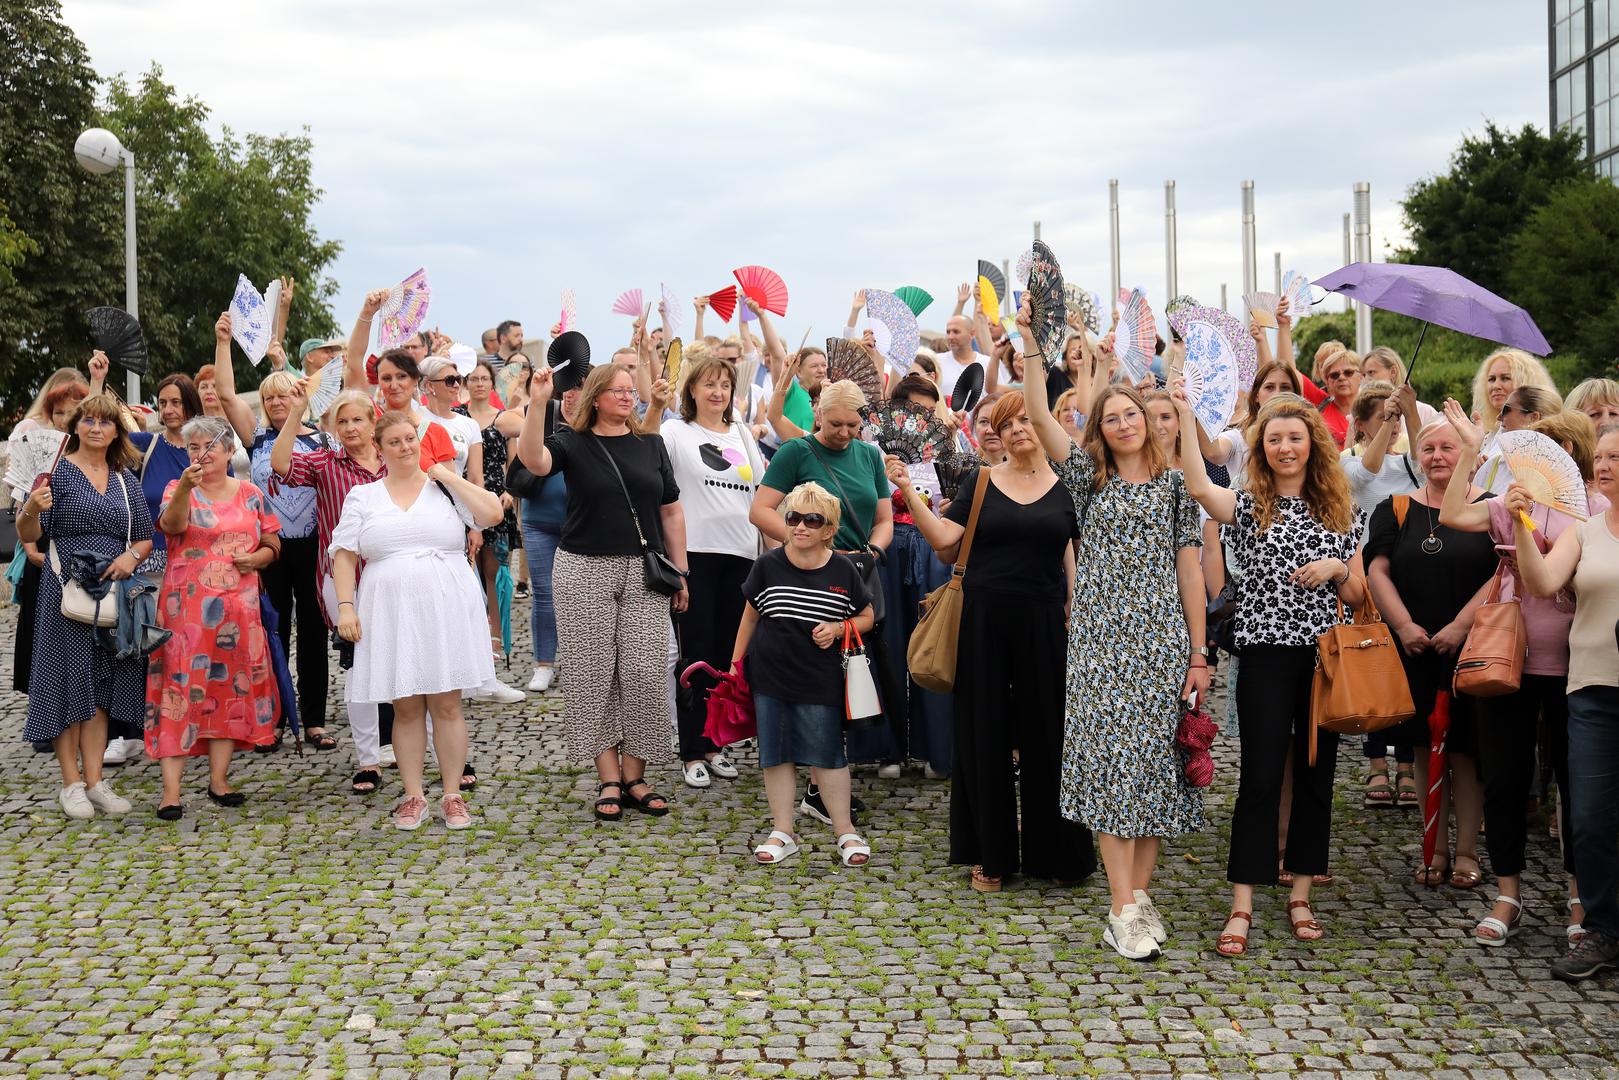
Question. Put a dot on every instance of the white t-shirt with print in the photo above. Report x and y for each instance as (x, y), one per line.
(717, 473)
(464, 434)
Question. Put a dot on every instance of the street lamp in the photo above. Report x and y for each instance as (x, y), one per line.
(99, 151)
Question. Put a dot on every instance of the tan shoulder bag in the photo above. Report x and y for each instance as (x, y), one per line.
(931, 654)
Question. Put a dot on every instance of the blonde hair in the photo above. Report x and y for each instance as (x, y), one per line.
(842, 395)
(1574, 431)
(434, 367)
(811, 498)
(1593, 393)
(353, 397)
(284, 383)
(1324, 352)
(1385, 355)
(1326, 488)
(1370, 395)
(1525, 371)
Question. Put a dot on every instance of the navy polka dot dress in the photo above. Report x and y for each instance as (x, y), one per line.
(72, 676)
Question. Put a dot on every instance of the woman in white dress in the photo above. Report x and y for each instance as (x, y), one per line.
(419, 593)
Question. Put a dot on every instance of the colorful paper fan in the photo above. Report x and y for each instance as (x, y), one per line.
(252, 317)
(997, 280)
(1262, 308)
(988, 299)
(849, 360)
(512, 378)
(404, 311)
(569, 319)
(628, 303)
(968, 389)
(1210, 369)
(1020, 270)
(672, 311)
(1542, 466)
(569, 360)
(673, 355)
(723, 302)
(118, 334)
(904, 336)
(1236, 338)
(1136, 339)
(1047, 307)
(1296, 287)
(745, 313)
(765, 286)
(910, 432)
(916, 299)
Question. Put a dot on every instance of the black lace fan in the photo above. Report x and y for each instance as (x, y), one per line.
(849, 360)
(118, 334)
(951, 473)
(910, 432)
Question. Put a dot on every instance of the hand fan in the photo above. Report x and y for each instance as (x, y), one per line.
(916, 299)
(569, 360)
(951, 473)
(1262, 308)
(988, 299)
(512, 378)
(1178, 302)
(765, 286)
(997, 280)
(888, 311)
(1539, 464)
(881, 335)
(910, 432)
(1136, 339)
(849, 360)
(673, 355)
(118, 334)
(404, 311)
(1083, 303)
(745, 313)
(324, 386)
(1020, 270)
(1296, 287)
(1236, 338)
(570, 312)
(671, 312)
(968, 389)
(31, 455)
(723, 302)
(464, 357)
(1047, 307)
(628, 303)
(252, 317)
(1210, 369)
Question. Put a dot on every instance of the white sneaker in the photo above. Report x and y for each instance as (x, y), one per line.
(108, 801)
(385, 757)
(930, 773)
(721, 766)
(696, 774)
(500, 693)
(1150, 917)
(891, 771)
(116, 753)
(541, 682)
(133, 748)
(1127, 934)
(75, 803)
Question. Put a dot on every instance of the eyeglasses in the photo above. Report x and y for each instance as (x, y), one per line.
(619, 392)
(1509, 407)
(1348, 373)
(1128, 416)
(814, 521)
(448, 380)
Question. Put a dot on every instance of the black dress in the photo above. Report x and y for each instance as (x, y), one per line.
(1010, 663)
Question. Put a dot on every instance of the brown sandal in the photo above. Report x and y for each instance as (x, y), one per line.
(983, 882)
(1466, 879)
(1304, 924)
(1235, 944)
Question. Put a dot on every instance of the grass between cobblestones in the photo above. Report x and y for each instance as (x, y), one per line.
(303, 937)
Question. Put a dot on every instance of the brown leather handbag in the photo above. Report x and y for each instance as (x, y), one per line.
(1359, 682)
(931, 653)
(1491, 660)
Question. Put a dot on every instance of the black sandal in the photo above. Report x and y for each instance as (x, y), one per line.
(366, 782)
(172, 812)
(229, 798)
(614, 801)
(321, 741)
(644, 802)
(469, 779)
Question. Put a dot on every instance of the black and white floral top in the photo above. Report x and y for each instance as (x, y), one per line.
(1271, 610)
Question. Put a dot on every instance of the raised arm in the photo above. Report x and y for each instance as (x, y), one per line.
(1261, 342)
(855, 307)
(1284, 334)
(701, 304)
(176, 516)
(286, 440)
(943, 536)
(236, 410)
(360, 341)
(1458, 510)
(774, 349)
(1372, 458)
(785, 429)
(531, 449)
(283, 308)
(962, 294)
(98, 372)
(1221, 503)
(1035, 401)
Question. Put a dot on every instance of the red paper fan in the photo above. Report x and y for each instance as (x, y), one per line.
(723, 302)
(765, 287)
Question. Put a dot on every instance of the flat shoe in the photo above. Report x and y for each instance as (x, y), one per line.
(229, 798)
(170, 813)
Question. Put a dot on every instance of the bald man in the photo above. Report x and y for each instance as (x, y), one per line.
(958, 336)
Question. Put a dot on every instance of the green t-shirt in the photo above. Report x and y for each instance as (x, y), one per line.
(859, 467)
(798, 408)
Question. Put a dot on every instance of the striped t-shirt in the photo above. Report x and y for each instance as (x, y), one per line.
(783, 660)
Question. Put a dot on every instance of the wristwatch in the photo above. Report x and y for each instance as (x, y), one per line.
(1200, 650)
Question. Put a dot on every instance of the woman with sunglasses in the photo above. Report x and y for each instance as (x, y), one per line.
(444, 384)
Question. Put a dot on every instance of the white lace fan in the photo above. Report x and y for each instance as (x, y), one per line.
(1540, 465)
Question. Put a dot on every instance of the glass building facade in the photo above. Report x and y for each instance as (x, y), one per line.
(1584, 62)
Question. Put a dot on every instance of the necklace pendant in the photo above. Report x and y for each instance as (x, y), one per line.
(1432, 545)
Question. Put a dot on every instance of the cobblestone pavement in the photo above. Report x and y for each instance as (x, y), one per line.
(302, 936)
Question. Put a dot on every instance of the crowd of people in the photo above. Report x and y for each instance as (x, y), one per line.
(187, 572)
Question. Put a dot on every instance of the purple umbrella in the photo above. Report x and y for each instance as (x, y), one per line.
(1437, 295)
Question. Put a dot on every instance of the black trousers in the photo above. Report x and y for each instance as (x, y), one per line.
(290, 583)
(1508, 733)
(1273, 705)
(1009, 695)
(707, 631)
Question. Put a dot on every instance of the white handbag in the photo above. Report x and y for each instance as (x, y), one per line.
(860, 701)
(79, 605)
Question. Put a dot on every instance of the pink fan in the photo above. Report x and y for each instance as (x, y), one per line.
(765, 286)
(628, 303)
(1135, 339)
(570, 311)
(404, 311)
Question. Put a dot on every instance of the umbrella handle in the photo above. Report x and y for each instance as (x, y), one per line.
(1412, 367)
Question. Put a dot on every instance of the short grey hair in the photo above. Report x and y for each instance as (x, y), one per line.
(437, 367)
(208, 428)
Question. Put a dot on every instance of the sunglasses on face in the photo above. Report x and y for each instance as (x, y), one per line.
(814, 521)
(448, 380)
(1509, 407)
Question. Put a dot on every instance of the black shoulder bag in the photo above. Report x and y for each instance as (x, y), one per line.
(661, 576)
(866, 560)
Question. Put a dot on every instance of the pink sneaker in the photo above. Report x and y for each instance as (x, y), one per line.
(411, 813)
(455, 812)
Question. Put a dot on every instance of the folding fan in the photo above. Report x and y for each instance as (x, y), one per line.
(849, 360)
(324, 386)
(910, 432)
(723, 302)
(891, 313)
(512, 379)
(569, 359)
(252, 317)
(118, 334)
(671, 311)
(31, 455)
(1262, 307)
(744, 312)
(628, 303)
(464, 357)
(1020, 270)
(916, 299)
(968, 389)
(988, 299)
(1136, 338)
(951, 473)
(1233, 332)
(997, 280)
(881, 335)
(765, 286)
(1210, 369)
(672, 357)
(404, 311)
(1539, 464)
(1047, 307)
(1296, 288)
(1178, 302)
(1084, 303)
(570, 312)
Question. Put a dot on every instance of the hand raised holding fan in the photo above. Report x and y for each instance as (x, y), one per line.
(1025, 320)
(539, 386)
(1518, 500)
(222, 327)
(868, 341)
(99, 366)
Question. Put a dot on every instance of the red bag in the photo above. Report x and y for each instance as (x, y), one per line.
(730, 705)
(1194, 736)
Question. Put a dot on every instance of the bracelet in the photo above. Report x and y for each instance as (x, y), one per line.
(350, 603)
(1200, 663)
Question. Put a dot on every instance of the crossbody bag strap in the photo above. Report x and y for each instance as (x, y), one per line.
(810, 439)
(622, 486)
(146, 458)
(980, 489)
(129, 514)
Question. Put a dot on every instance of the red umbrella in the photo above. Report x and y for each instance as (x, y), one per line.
(1438, 728)
(730, 705)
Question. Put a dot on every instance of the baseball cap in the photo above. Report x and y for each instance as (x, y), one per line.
(311, 344)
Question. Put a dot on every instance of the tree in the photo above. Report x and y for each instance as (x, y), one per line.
(1463, 218)
(1564, 269)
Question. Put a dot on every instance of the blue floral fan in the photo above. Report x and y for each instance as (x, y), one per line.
(1210, 369)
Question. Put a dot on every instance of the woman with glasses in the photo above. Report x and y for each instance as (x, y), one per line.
(1340, 377)
(613, 630)
(444, 384)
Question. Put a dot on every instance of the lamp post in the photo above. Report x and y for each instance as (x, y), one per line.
(99, 151)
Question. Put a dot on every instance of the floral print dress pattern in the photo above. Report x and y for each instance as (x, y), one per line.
(1122, 773)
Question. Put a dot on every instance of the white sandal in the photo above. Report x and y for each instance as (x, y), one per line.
(849, 852)
(769, 854)
(1502, 930)
(1575, 931)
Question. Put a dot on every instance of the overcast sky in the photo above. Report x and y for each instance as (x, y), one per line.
(517, 149)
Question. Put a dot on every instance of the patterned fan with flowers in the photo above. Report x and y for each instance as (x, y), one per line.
(849, 360)
(1047, 305)
(404, 311)
(1296, 289)
(910, 432)
(1210, 369)
(890, 312)
(1135, 340)
(1234, 334)
(118, 334)
(1262, 308)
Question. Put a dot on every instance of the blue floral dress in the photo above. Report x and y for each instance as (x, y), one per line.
(1122, 773)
